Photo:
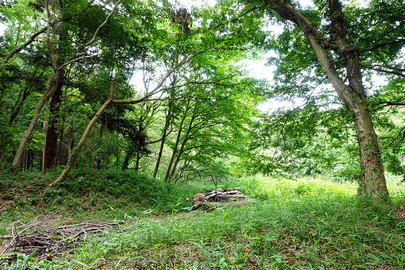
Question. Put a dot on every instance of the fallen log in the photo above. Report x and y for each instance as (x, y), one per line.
(204, 200)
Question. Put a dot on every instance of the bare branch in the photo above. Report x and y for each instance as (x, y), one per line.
(76, 60)
(28, 42)
(386, 44)
(385, 71)
(102, 25)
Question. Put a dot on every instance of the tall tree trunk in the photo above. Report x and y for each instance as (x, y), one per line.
(53, 125)
(128, 156)
(159, 157)
(50, 90)
(175, 148)
(162, 143)
(138, 158)
(51, 86)
(181, 150)
(372, 180)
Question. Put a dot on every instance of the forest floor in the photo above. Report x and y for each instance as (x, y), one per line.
(291, 224)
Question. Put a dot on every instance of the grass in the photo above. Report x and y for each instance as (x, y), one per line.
(293, 224)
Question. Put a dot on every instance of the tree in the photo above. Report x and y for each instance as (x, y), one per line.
(332, 40)
(77, 50)
(55, 80)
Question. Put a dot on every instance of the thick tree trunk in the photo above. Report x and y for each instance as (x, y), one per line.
(372, 180)
(53, 79)
(52, 132)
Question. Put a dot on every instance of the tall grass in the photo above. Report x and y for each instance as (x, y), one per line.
(293, 224)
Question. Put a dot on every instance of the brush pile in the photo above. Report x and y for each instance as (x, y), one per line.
(217, 198)
(45, 243)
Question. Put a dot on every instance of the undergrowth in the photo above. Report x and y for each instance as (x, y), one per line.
(84, 194)
(293, 224)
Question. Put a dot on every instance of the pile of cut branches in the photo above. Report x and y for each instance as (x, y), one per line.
(218, 198)
(44, 243)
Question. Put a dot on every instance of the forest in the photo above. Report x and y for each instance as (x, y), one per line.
(114, 115)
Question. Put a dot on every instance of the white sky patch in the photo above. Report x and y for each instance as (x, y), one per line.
(193, 3)
(137, 81)
(2, 29)
(259, 69)
(306, 3)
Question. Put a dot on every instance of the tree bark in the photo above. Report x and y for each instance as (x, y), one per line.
(52, 132)
(163, 141)
(372, 181)
(128, 156)
(175, 148)
(181, 150)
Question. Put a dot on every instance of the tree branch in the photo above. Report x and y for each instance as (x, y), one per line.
(28, 42)
(102, 25)
(389, 103)
(93, 39)
(76, 60)
(385, 44)
(389, 11)
(385, 71)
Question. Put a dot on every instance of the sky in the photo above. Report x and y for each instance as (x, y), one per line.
(2, 28)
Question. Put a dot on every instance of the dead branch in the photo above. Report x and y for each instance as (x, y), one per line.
(30, 238)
